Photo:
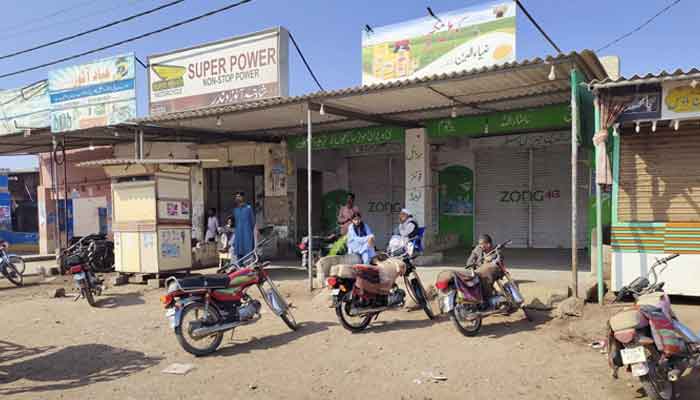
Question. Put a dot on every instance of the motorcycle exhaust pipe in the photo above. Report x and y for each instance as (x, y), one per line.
(209, 330)
(355, 312)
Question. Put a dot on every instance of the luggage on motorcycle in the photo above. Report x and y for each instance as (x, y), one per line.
(73, 259)
(343, 271)
(625, 320)
(378, 279)
(390, 269)
(663, 329)
(469, 278)
(217, 281)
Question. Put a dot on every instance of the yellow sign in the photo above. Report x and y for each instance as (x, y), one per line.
(683, 99)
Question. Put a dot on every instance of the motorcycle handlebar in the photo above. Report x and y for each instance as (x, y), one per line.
(671, 257)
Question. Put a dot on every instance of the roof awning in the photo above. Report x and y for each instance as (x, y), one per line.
(149, 161)
(663, 76)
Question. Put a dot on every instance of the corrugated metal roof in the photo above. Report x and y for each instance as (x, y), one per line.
(510, 81)
(131, 161)
(662, 76)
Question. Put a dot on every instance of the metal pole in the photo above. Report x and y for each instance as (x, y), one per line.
(136, 145)
(54, 184)
(574, 185)
(599, 238)
(141, 144)
(530, 187)
(65, 189)
(309, 198)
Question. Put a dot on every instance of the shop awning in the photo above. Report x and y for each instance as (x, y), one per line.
(529, 83)
(647, 79)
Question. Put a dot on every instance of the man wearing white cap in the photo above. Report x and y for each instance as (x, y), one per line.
(407, 230)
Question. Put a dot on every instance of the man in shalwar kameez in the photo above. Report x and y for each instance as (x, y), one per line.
(243, 214)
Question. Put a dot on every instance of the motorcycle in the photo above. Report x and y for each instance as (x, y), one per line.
(88, 284)
(321, 247)
(94, 249)
(11, 266)
(649, 341)
(359, 296)
(201, 309)
(462, 298)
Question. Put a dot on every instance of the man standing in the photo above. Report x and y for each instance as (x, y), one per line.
(346, 213)
(244, 217)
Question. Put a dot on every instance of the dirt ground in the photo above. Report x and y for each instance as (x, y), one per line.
(58, 348)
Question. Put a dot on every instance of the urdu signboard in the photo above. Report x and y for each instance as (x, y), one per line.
(98, 93)
(24, 108)
(231, 71)
(475, 37)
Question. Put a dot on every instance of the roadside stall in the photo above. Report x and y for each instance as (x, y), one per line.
(655, 178)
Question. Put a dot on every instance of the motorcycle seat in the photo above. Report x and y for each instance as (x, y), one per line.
(650, 299)
(625, 320)
(216, 281)
(343, 271)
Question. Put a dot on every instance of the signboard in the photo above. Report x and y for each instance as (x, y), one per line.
(23, 108)
(681, 101)
(99, 93)
(5, 211)
(245, 68)
(345, 139)
(547, 117)
(475, 37)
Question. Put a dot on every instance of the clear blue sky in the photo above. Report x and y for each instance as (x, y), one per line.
(329, 32)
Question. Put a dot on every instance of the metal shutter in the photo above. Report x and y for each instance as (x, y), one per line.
(378, 184)
(499, 212)
(659, 180)
(551, 215)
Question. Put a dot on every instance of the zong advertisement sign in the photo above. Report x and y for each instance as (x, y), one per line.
(24, 108)
(466, 39)
(99, 93)
(246, 68)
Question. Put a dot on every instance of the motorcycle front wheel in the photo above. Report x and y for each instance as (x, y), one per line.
(417, 292)
(194, 313)
(352, 323)
(656, 383)
(286, 315)
(12, 273)
(467, 327)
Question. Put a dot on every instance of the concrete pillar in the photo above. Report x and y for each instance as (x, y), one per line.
(47, 211)
(418, 178)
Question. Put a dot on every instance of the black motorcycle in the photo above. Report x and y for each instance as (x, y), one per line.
(87, 282)
(94, 250)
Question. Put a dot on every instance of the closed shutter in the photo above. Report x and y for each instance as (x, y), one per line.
(378, 184)
(551, 198)
(501, 177)
(659, 177)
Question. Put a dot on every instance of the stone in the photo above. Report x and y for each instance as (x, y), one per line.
(154, 283)
(120, 280)
(537, 304)
(54, 271)
(56, 293)
(571, 307)
(591, 289)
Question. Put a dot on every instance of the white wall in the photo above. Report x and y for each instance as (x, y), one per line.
(86, 219)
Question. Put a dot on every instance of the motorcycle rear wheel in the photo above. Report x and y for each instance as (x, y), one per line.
(87, 293)
(342, 310)
(464, 326)
(12, 273)
(185, 338)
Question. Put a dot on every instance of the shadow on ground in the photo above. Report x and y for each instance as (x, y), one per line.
(70, 367)
(115, 300)
(268, 342)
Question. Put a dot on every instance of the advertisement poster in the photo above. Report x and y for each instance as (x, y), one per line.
(99, 93)
(171, 243)
(643, 105)
(245, 68)
(24, 108)
(475, 37)
(681, 101)
(173, 209)
(456, 202)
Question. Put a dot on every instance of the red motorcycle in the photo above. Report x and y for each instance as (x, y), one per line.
(202, 308)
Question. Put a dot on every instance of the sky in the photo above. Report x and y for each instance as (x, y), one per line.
(329, 33)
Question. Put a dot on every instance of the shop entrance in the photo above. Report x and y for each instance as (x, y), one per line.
(220, 185)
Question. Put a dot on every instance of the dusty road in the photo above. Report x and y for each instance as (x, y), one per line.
(61, 349)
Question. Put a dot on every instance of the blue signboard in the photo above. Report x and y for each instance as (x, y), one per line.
(99, 93)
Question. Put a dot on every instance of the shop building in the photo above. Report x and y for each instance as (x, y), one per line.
(653, 144)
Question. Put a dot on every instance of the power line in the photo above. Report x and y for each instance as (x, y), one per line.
(93, 30)
(308, 67)
(539, 28)
(131, 39)
(16, 33)
(50, 15)
(639, 28)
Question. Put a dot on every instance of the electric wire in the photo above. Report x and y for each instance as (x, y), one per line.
(128, 40)
(93, 30)
(308, 67)
(539, 28)
(639, 28)
(47, 16)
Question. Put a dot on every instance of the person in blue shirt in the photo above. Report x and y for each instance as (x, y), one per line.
(244, 217)
(360, 239)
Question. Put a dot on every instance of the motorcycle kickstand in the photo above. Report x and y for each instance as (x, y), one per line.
(232, 332)
(78, 296)
(376, 317)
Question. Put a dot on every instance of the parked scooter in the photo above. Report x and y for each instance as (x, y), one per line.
(462, 298)
(201, 308)
(11, 266)
(649, 340)
(359, 295)
(89, 285)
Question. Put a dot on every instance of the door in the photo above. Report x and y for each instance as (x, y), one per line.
(502, 194)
